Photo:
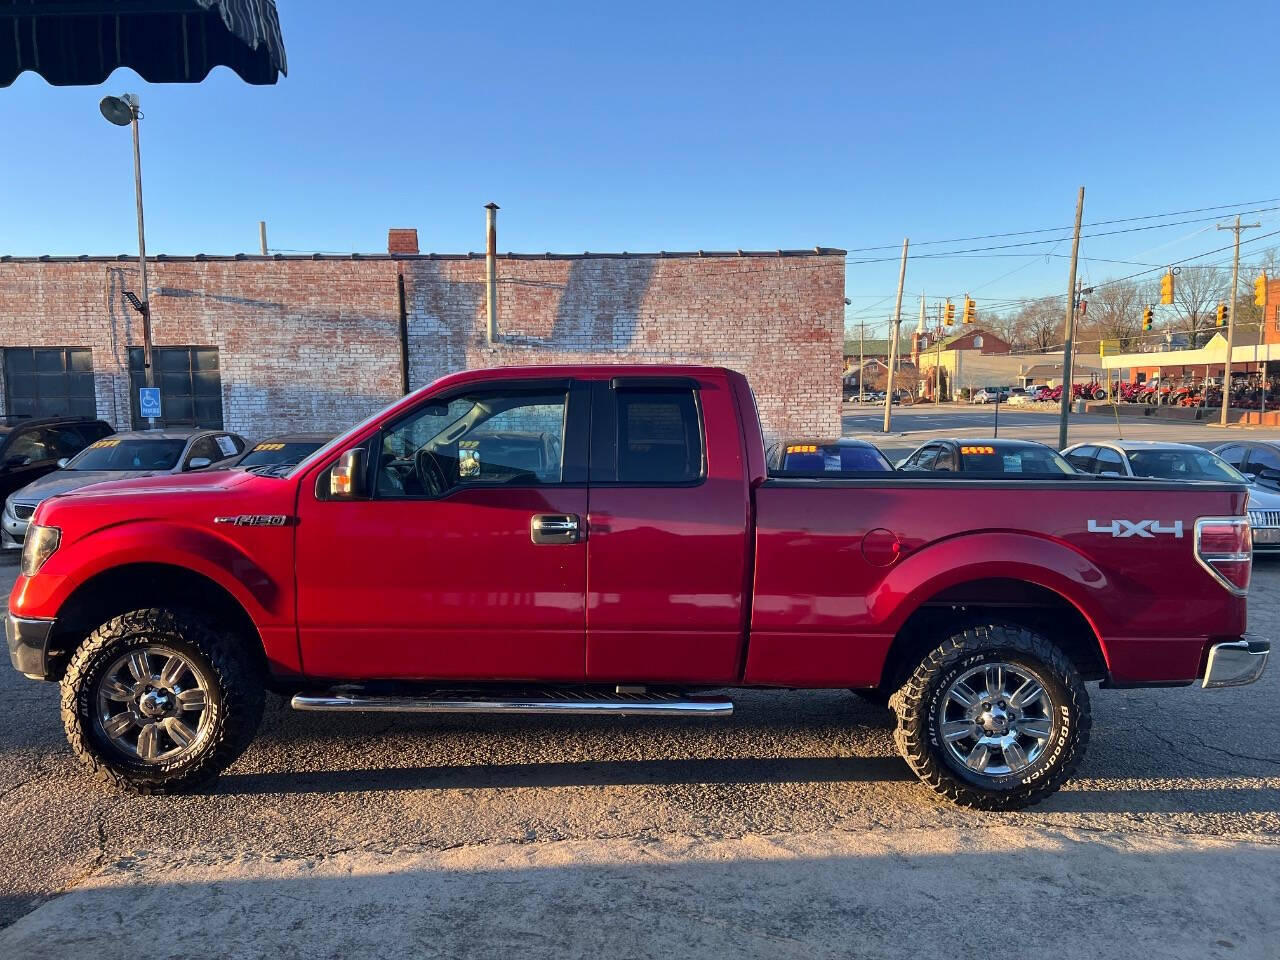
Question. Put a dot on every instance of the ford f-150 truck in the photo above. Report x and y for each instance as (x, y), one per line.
(607, 540)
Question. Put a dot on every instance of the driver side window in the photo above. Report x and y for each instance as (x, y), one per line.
(479, 439)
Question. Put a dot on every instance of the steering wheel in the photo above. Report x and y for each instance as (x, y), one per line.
(430, 473)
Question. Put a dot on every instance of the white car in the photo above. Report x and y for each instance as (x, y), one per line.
(1180, 461)
(985, 395)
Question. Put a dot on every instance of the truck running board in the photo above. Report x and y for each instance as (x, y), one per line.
(618, 705)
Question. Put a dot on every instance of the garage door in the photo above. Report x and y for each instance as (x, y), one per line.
(49, 382)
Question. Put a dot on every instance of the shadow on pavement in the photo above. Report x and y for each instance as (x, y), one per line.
(574, 774)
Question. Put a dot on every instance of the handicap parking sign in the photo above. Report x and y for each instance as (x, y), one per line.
(149, 401)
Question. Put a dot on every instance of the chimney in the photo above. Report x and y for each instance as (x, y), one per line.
(402, 241)
(491, 271)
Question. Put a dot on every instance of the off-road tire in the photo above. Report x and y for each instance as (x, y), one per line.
(919, 699)
(235, 697)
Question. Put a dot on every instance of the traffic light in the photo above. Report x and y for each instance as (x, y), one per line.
(950, 317)
(970, 309)
(1260, 290)
(1222, 314)
(1166, 288)
(1148, 316)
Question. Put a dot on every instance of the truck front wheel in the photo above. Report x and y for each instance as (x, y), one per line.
(158, 701)
(995, 718)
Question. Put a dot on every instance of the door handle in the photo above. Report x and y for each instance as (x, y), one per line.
(549, 528)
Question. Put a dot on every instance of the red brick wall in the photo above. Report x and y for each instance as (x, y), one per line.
(779, 320)
(314, 344)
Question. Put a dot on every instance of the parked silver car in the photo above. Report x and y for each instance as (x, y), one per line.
(1181, 461)
(142, 453)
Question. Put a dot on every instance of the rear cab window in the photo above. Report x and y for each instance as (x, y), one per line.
(647, 432)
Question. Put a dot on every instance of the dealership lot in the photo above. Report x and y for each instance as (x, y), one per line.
(792, 827)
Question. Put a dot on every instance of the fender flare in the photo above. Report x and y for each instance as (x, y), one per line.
(1004, 555)
(201, 551)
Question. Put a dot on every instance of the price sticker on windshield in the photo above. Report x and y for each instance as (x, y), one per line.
(106, 443)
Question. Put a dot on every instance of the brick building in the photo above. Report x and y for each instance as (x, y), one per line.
(258, 344)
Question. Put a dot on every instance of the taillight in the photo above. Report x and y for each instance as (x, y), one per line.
(1224, 547)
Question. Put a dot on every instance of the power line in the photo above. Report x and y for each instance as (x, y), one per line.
(1032, 243)
(1095, 223)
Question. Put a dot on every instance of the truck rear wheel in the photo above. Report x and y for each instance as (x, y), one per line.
(159, 701)
(995, 718)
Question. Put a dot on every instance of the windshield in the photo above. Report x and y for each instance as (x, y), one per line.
(279, 452)
(118, 454)
(982, 458)
(1182, 465)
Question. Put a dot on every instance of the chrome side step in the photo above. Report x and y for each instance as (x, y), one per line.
(644, 705)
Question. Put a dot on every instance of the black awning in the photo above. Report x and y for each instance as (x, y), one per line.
(80, 42)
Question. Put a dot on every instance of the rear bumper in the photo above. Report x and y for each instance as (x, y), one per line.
(1237, 662)
(29, 645)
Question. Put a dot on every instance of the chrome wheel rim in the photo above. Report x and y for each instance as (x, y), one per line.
(153, 705)
(996, 719)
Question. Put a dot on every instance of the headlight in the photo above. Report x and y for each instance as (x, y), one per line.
(39, 547)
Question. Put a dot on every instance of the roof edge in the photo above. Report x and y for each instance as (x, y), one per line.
(290, 257)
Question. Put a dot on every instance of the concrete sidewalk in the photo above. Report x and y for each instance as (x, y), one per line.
(999, 891)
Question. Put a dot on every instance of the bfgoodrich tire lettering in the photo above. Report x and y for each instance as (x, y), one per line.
(232, 687)
(1060, 721)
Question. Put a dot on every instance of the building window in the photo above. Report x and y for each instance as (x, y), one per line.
(49, 382)
(190, 386)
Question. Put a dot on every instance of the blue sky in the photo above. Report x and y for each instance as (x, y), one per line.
(681, 126)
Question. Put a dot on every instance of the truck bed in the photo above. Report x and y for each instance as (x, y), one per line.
(841, 564)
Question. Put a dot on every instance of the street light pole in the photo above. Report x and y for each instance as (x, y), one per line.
(148, 370)
(123, 112)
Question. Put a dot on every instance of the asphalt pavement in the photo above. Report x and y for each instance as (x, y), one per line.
(791, 827)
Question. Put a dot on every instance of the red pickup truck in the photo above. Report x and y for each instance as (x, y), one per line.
(607, 540)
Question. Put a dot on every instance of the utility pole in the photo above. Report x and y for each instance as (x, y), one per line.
(893, 338)
(862, 355)
(1231, 315)
(1067, 380)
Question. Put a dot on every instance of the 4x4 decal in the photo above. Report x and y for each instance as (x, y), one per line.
(1136, 528)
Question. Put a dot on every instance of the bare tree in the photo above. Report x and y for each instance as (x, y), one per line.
(1248, 313)
(1197, 291)
(1038, 325)
(1003, 325)
(1114, 313)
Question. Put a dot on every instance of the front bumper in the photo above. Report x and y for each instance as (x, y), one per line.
(12, 531)
(29, 645)
(1237, 662)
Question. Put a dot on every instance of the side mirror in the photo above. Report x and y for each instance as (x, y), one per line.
(1269, 473)
(197, 463)
(17, 460)
(63, 462)
(346, 479)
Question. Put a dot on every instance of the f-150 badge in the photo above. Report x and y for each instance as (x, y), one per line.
(256, 520)
(1137, 528)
